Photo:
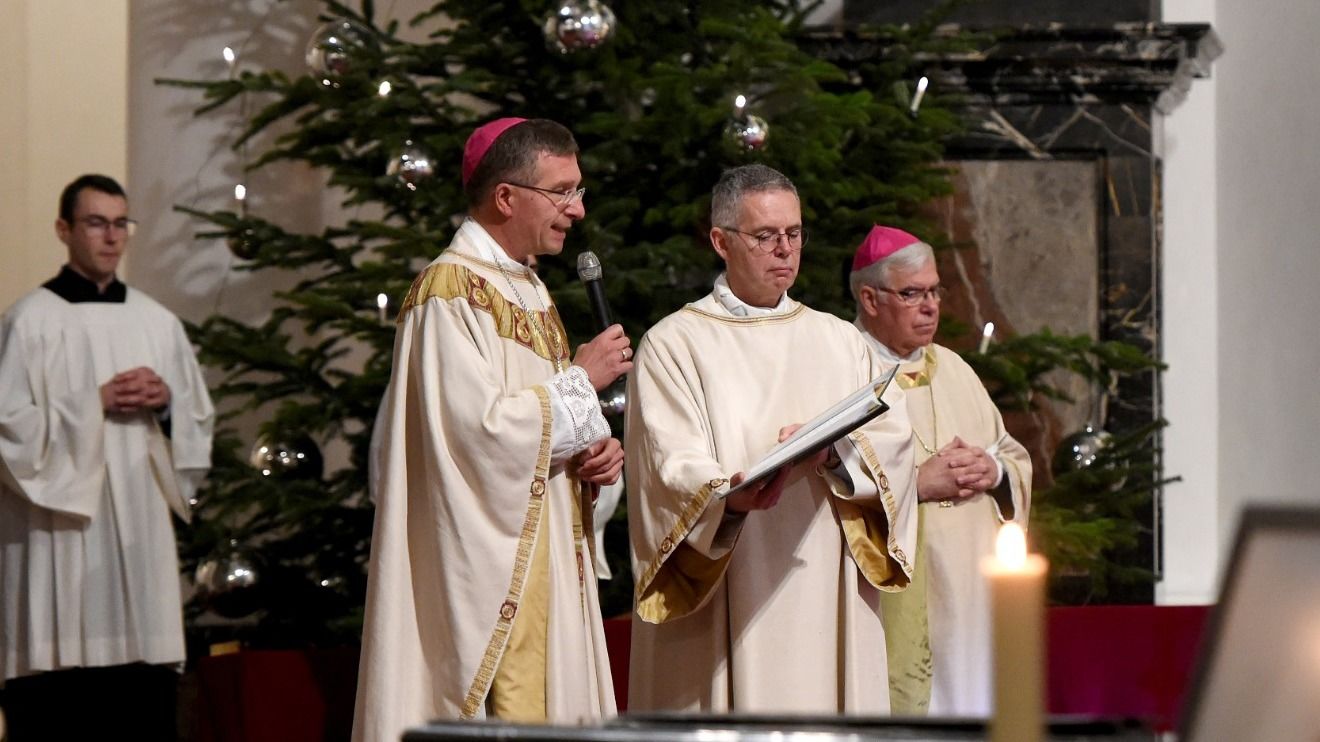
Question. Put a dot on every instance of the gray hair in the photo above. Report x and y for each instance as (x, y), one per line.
(877, 274)
(733, 184)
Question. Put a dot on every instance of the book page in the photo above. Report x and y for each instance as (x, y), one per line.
(823, 430)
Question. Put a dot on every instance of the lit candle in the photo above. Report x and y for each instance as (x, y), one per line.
(1017, 608)
(922, 84)
(381, 302)
(985, 337)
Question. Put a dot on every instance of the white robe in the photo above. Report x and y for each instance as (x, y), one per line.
(946, 399)
(88, 567)
(779, 611)
(467, 487)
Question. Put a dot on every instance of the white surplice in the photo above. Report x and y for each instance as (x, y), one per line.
(88, 567)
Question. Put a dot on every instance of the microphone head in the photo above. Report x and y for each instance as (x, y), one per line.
(588, 267)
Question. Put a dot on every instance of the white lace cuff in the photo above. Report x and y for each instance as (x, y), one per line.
(576, 420)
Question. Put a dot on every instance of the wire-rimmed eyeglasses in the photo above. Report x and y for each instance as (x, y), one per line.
(101, 224)
(914, 297)
(561, 199)
(767, 240)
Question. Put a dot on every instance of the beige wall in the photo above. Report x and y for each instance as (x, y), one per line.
(64, 113)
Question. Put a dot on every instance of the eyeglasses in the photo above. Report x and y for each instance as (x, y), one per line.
(101, 224)
(767, 241)
(565, 198)
(915, 297)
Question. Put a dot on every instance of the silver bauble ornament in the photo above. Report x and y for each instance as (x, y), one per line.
(411, 165)
(228, 583)
(333, 49)
(1079, 450)
(614, 400)
(243, 244)
(578, 24)
(748, 131)
(296, 459)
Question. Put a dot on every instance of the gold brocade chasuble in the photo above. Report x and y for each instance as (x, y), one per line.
(467, 506)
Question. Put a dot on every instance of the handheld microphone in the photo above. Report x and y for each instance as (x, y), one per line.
(612, 399)
(589, 272)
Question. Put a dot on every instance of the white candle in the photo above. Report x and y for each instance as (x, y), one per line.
(985, 337)
(922, 84)
(1017, 607)
(381, 302)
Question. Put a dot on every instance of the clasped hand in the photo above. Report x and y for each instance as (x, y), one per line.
(957, 471)
(134, 390)
(601, 463)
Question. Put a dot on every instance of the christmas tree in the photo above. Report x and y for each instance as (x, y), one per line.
(661, 96)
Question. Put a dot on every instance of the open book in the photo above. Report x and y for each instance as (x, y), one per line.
(823, 430)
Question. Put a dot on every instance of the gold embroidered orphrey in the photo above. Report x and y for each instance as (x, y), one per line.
(541, 332)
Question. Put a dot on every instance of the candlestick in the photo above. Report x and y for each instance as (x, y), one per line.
(1017, 607)
(985, 337)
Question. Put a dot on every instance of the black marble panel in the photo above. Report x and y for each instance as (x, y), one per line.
(999, 13)
(1087, 88)
(1139, 63)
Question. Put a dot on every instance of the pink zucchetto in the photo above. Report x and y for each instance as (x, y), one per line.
(880, 243)
(481, 140)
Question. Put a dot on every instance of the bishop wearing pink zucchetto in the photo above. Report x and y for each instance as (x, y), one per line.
(489, 446)
(971, 477)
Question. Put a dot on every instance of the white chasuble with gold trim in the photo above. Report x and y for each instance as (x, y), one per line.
(777, 611)
(947, 399)
(466, 496)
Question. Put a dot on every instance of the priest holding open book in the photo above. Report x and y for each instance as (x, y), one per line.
(766, 599)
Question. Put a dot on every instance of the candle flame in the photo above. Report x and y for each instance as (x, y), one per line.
(989, 329)
(229, 55)
(740, 102)
(240, 192)
(1011, 546)
(384, 88)
(922, 84)
(382, 300)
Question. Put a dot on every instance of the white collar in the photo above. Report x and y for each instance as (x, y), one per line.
(739, 308)
(488, 248)
(882, 350)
